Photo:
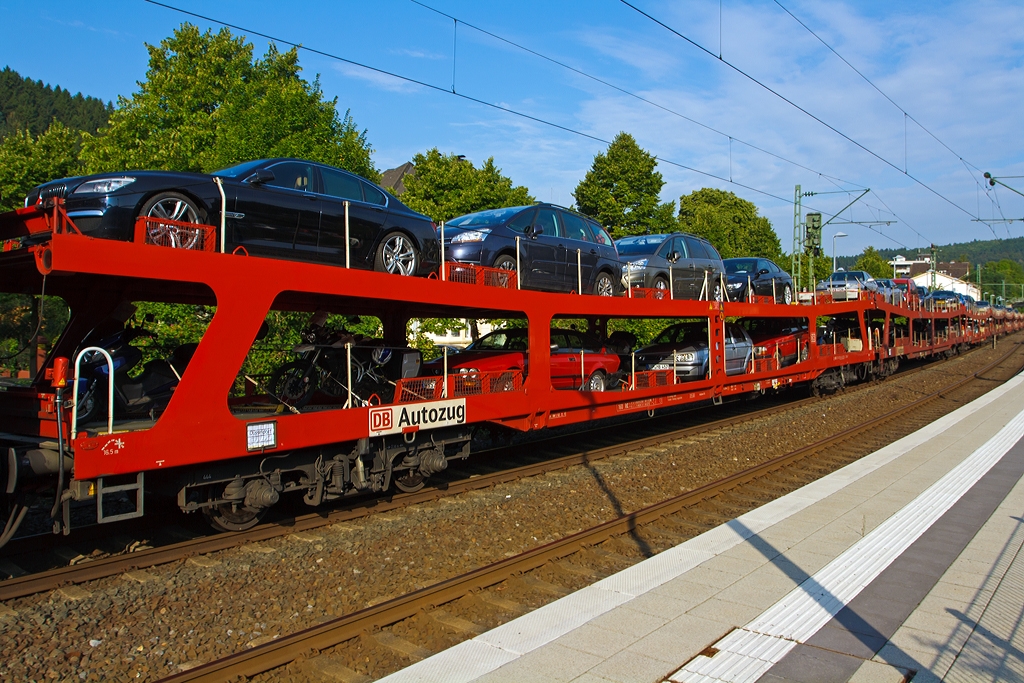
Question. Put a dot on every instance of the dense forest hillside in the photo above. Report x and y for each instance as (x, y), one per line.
(978, 251)
(27, 104)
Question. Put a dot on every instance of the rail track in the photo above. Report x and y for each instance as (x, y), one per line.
(136, 546)
(407, 628)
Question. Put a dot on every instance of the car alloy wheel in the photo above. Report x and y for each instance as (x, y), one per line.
(604, 286)
(397, 255)
(173, 207)
(787, 295)
(505, 262)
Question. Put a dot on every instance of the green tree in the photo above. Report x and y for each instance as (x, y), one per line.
(1004, 275)
(29, 105)
(27, 160)
(872, 263)
(206, 104)
(445, 186)
(621, 190)
(19, 321)
(730, 223)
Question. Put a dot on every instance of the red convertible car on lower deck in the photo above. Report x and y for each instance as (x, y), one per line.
(577, 360)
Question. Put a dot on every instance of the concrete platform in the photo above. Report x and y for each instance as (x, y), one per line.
(902, 566)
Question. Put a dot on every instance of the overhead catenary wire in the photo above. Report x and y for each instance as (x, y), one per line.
(906, 114)
(460, 95)
(628, 93)
(485, 103)
(797, 106)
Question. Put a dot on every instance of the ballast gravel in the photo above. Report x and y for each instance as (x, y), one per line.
(149, 624)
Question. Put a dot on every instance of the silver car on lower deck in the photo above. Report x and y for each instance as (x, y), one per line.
(684, 346)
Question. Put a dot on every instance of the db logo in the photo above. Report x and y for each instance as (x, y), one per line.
(380, 419)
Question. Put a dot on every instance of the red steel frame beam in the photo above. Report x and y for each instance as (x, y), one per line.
(198, 425)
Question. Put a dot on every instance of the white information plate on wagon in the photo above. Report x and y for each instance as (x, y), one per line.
(412, 418)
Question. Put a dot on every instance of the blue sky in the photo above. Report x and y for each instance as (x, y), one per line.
(956, 67)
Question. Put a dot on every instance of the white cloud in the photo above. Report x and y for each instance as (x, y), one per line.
(377, 79)
(418, 54)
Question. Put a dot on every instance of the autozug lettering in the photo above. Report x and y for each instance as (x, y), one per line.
(425, 417)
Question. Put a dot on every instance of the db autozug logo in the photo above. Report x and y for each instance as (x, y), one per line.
(380, 419)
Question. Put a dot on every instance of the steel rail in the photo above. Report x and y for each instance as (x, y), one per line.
(91, 570)
(286, 649)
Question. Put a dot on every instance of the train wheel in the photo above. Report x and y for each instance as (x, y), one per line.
(411, 482)
(227, 517)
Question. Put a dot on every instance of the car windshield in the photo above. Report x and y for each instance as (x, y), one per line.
(737, 266)
(641, 244)
(850, 276)
(239, 169)
(492, 217)
(690, 333)
(501, 340)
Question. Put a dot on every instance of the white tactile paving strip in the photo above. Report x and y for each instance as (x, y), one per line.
(746, 654)
(476, 658)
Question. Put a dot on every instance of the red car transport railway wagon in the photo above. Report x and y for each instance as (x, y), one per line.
(230, 453)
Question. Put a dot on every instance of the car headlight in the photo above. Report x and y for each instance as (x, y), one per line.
(685, 357)
(761, 350)
(468, 370)
(471, 236)
(103, 185)
(639, 264)
(734, 285)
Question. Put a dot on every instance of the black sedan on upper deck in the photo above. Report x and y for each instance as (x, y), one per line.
(757, 276)
(282, 208)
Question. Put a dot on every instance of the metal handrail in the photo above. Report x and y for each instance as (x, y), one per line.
(110, 390)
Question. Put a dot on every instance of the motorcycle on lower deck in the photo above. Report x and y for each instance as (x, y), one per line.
(143, 396)
(325, 356)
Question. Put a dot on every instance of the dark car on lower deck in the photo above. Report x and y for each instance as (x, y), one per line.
(282, 208)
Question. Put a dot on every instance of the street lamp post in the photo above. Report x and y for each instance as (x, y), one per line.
(838, 234)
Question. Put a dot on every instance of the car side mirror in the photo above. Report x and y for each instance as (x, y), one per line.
(535, 230)
(763, 271)
(673, 257)
(554, 347)
(264, 175)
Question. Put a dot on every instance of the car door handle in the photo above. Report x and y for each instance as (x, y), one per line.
(311, 197)
(593, 251)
